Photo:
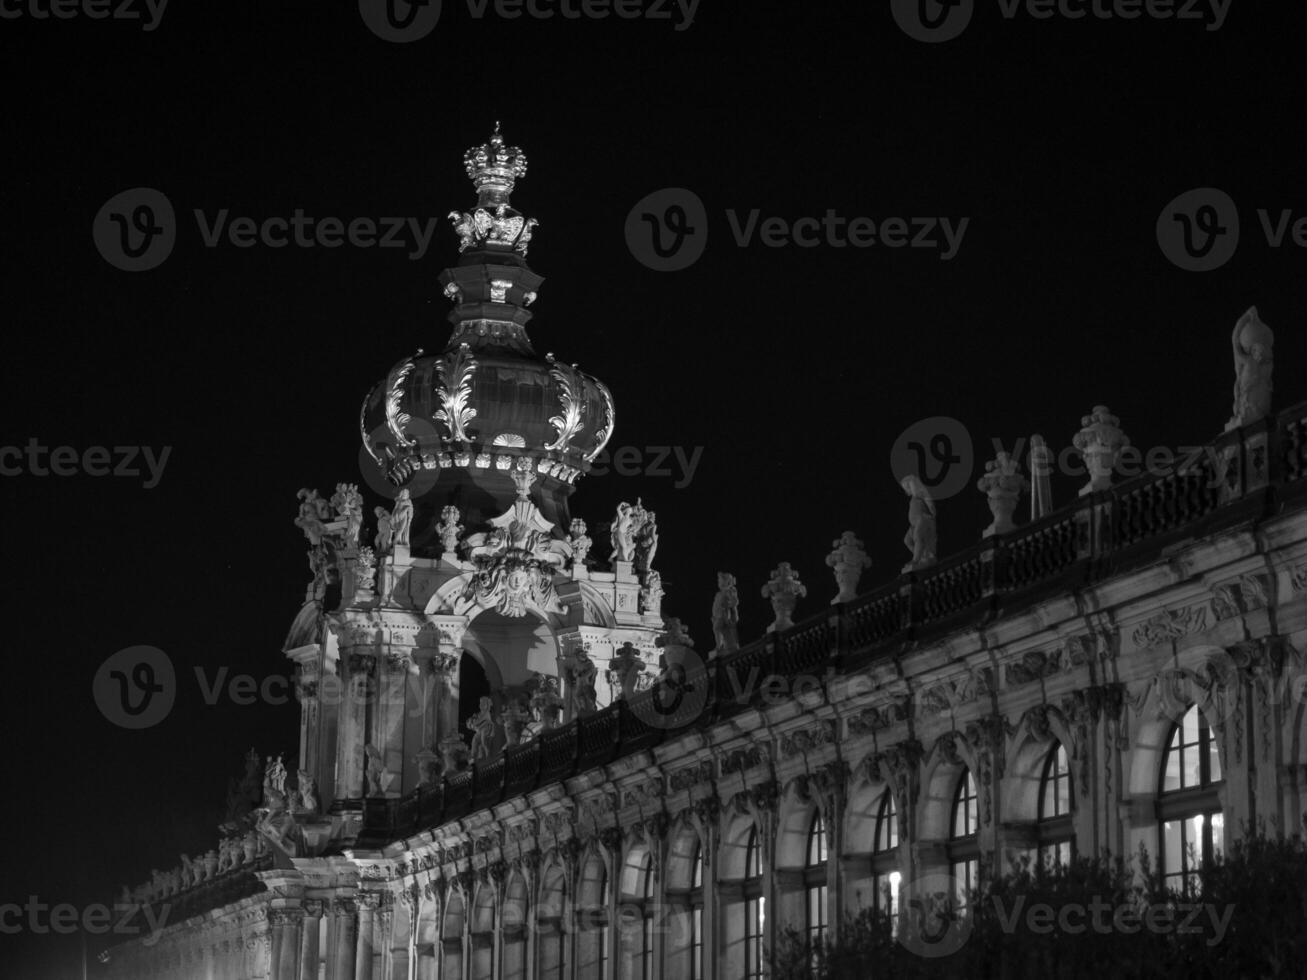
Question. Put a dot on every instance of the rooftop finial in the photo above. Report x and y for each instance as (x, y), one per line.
(494, 168)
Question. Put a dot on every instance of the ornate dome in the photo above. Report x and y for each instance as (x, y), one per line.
(488, 403)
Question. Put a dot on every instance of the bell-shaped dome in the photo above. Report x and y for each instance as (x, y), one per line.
(488, 403)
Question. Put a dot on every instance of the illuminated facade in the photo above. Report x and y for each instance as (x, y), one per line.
(513, 768)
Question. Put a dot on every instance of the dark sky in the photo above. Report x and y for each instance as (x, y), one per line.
(795, 369)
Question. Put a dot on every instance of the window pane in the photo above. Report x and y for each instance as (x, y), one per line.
(1171, 774)
(1218, 833)
(1213, 758)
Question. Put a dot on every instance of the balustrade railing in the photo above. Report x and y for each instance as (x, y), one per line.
(1091, 537)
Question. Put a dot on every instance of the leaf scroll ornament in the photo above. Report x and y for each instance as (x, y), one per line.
(610, 420)
(568, 424)
(455, 392)
(397, 420)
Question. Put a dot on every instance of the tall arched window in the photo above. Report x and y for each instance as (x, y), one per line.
(964, 848)
(1056, 801)
(814, 881)
(1188, 801)
(551, 934)
(592, 920)
(696, 913)
(640, 940)
(755, 913)
(885, 875)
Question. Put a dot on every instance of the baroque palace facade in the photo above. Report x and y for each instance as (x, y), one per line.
(512, 767)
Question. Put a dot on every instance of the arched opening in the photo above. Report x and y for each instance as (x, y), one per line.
(451, 935)
(481, 933)
(963, 844)
(473, 685)
(552, 936)
(514, 928)
(426, 940)
(512, 648)
(683, 943)
(592, 920)
(744, 908)
(1192, 826)
(1056, 803)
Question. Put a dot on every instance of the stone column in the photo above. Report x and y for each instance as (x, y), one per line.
(310, 941)
(366, 941)
(359, 690)
(342, 940)
(287, 926)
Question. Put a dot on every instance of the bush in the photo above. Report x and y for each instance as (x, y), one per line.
(1096, 918)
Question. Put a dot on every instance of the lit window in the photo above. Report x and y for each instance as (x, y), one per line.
(964, 849)
(885, 876)
(814, 882)
(1056, 801)
(755, 913)
(1192, 826)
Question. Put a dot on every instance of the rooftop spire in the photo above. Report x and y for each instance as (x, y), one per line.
(494, 170)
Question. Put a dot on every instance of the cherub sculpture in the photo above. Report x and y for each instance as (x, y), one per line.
(922, 532)
(1254, 359)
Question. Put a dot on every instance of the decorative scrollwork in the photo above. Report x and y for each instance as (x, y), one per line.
(454, 392)
(610, 421)
(572, 398)
(397, 420)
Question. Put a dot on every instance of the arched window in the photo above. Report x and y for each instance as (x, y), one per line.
(696, 913)
(592, 920)
(552, 936)
(885, 875)
(1056, 801)
(1188, 801)
(814, 881)
(640, 941)
(964, 848)
(755, 912)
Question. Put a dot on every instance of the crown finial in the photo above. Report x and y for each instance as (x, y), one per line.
(494, 168)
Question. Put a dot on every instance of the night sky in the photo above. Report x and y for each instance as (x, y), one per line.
(795, 369)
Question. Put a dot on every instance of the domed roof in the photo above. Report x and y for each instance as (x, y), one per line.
(489, 402)
(478, 407)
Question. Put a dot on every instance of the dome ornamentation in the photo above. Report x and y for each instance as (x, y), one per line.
(569, 423)
(455, 393)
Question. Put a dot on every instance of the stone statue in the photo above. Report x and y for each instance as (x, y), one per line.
(274, 777)
(514, 719)
(308, 792)
(367, 572)
(376, 770)
(624, 670)
(849, 560)
(922, 532)
(401, 519)
(1254, 359)
(547, 703)
(313, 511)
(449, 530)
(482, 726)
(1003, 484)
(623, 534)
(726, 615)
(348, 503)
(580, 541)
(1099, 441)
(385, 536)
(429, 766)
(453, 752)
(651, 593)
(582, 675)
(784, 590)
(646, 542)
